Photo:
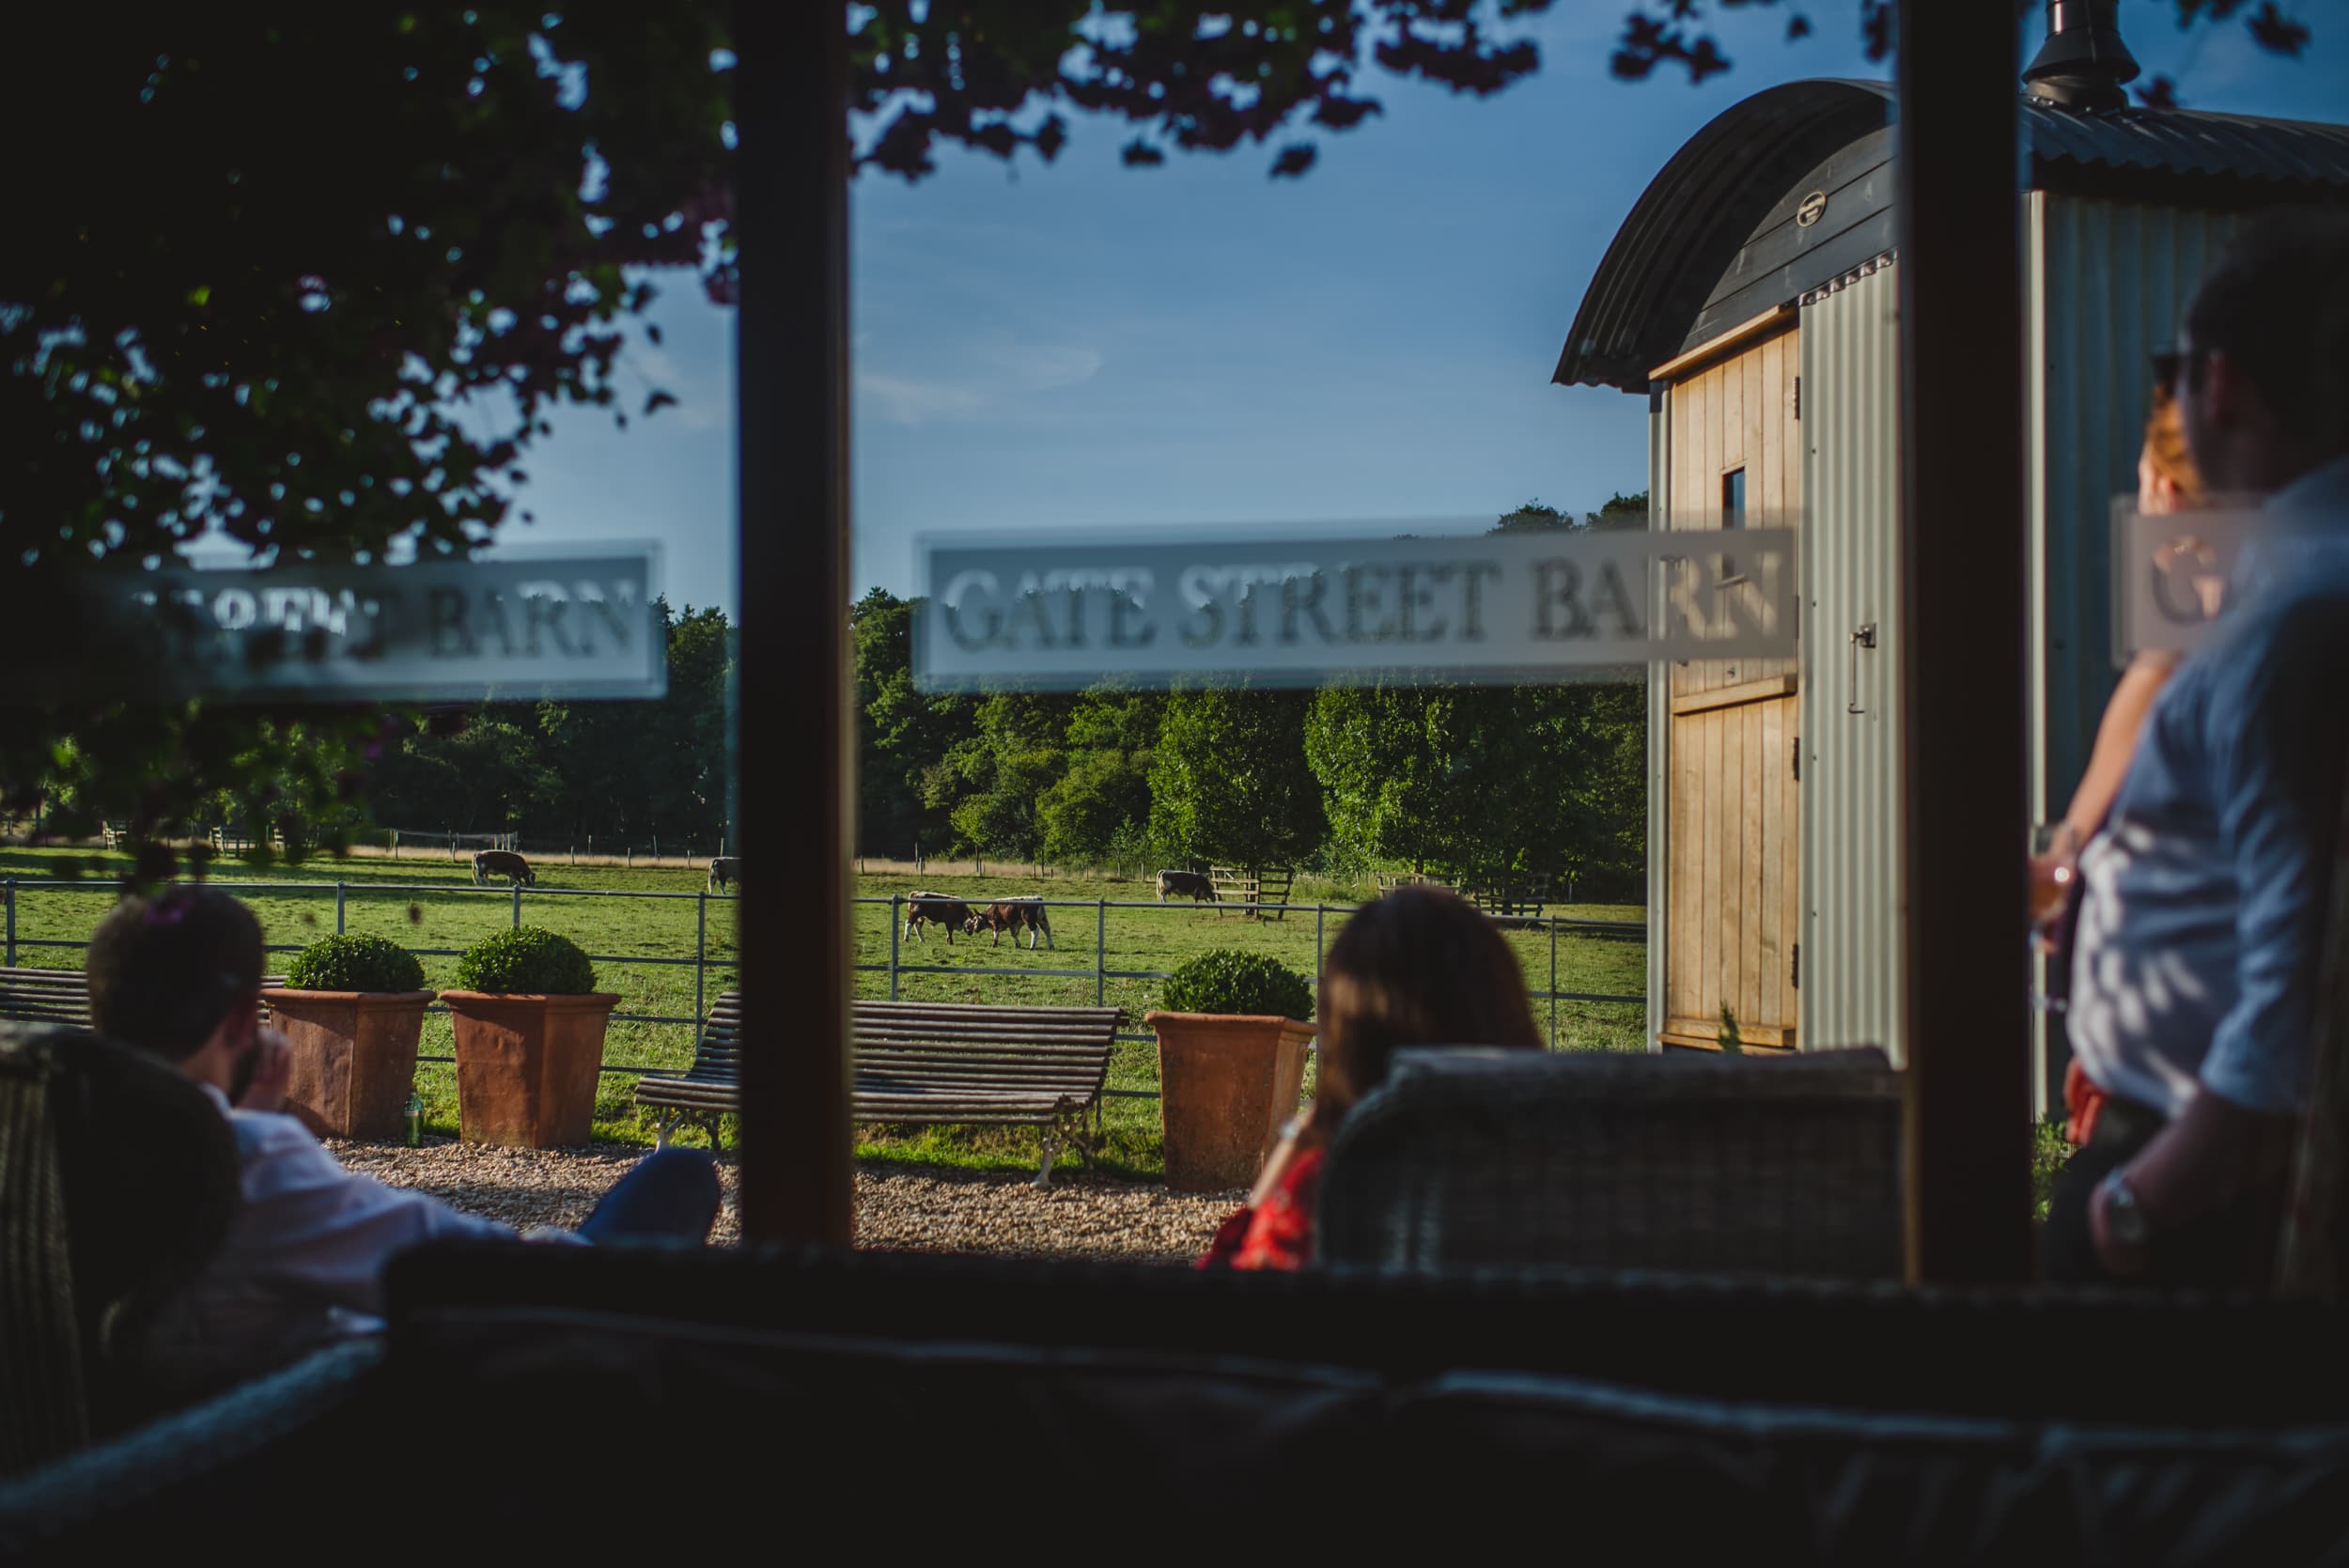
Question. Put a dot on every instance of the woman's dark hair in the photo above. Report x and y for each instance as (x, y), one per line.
(165, 970)
(1417, 967)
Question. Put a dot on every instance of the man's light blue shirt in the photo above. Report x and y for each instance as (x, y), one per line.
(2204, 900)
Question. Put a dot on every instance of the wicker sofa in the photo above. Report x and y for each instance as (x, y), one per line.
(1468, 1159)
(607, 1400)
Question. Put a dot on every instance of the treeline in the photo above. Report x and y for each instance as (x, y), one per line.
(1485, 782)
(614, 773)
(1491, 783)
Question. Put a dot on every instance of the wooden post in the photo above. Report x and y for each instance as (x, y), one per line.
(791, 197)
(1963, 546)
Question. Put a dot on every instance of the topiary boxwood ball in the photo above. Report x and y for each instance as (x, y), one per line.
(1227, 979)
(526, 961)
(355, 963)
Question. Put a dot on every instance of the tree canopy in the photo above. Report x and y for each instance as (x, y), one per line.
(1229, 780)
(1489, 782)
(1495, 784)
(309, 279)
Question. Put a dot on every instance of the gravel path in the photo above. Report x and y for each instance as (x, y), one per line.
(915, 1208)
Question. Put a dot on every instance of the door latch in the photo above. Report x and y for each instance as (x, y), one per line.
(1864, 638)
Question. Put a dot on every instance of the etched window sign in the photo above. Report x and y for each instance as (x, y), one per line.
(578, 626)
(2176, 575)
(1492, 609)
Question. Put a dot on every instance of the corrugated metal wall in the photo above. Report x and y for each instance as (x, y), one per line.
(1851, 863)
(1659, 697)
(2107, 284)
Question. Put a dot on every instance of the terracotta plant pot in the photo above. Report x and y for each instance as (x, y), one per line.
(527, 1065)
(1226, 1084)
(355, 1059)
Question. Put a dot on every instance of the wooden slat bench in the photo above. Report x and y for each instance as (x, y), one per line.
(62, 996)
(930, 1063)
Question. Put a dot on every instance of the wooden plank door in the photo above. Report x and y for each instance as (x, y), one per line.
(1733, 904)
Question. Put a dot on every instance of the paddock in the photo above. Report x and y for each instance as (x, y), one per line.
(667, 946)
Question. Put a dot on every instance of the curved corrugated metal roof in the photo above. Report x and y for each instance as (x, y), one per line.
(1696, 213)
(1702, 207)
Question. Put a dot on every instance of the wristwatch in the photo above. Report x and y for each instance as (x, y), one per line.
(2124, 1216)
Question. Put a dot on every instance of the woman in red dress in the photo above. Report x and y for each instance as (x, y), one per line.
(1417, 967)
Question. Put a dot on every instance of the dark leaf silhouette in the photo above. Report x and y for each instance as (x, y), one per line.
(1878, 18)
(1671, 32)
(2276, 32)
(1293, 160)
(1199, 77)
(2159, 93)
(659, 400)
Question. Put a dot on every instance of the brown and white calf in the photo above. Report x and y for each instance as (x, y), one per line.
(506, 863)
(1013, 915)
(932, 908)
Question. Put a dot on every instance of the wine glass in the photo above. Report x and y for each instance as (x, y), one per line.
(2054, 868)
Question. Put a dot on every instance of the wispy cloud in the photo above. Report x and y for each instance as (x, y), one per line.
(1041, 366)
(903, 400)
(976, 379)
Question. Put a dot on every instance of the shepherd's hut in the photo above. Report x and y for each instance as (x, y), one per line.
(1750, 296)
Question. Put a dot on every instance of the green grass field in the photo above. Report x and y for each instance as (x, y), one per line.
(298, 905)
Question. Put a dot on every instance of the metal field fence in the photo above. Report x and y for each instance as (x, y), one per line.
(887, 963)
(20, 948)
(1543, 933)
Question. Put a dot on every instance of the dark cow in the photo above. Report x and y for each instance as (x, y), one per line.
(1202, 889)
(1013, 915)
(506, 863)
(927, 909)
(724, 869)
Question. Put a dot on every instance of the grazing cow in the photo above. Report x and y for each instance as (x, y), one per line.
(1013, 915)
(506, 863)
(1202, 889)
(926, 909)
(723, 870)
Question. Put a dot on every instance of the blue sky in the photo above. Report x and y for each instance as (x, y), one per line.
(1087, 346)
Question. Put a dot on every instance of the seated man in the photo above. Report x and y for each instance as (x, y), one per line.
(2204, 908)
(179, 975)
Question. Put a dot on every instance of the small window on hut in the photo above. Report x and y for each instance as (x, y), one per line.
(1733, 498)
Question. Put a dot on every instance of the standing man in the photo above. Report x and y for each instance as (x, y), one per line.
(2204, 900)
